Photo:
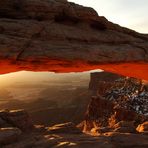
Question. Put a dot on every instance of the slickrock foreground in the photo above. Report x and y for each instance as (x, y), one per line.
(60, 36)
(68, 135)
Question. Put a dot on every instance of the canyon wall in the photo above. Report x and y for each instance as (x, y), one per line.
(115, 99)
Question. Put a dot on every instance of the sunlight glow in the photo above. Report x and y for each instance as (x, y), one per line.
(28, 76)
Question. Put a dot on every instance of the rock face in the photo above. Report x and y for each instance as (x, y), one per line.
(128, 93)
(100, 82)
(116, 99)
(62, 36)
(102, 113)
(16, 118)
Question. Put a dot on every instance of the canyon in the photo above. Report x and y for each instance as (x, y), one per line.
(111, 116)
(111, 111)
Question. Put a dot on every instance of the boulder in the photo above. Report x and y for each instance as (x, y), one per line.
(20, 119)
(16, 118)
(9, 135)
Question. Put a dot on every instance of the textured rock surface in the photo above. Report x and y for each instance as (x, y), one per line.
(102, 113)
(128, 93)
(15, 118)
(9, 135)
(143, 127)
(108, 140)
(67, 135)
(64, 128)
(62, 36)
(117, 102)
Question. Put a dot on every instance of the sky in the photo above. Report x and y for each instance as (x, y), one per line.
(128, 13)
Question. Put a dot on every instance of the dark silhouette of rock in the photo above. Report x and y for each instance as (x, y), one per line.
(62, 36)
(16, 118)
(9, 135)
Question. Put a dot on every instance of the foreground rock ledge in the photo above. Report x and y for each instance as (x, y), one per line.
(54, 35)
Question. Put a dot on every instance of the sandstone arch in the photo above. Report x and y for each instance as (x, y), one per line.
(53, 35)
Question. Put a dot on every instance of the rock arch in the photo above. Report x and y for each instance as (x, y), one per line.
(61, 36)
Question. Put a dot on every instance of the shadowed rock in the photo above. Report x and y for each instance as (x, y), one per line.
(16, 118)
(9, 135)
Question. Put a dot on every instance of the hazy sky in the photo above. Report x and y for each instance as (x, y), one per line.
(128, 13)
(28, 76)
